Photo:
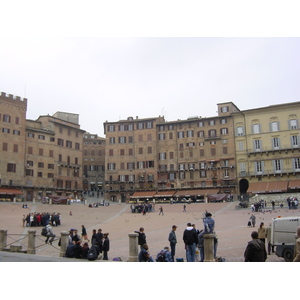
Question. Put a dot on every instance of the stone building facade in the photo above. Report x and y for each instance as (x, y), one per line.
(267, 143)
(38, 158)
(12, 144)
(93, 164)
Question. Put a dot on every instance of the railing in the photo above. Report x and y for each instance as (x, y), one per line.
(35, 243)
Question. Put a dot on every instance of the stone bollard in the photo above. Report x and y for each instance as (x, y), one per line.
(31, 242)
(3, 238)
(209, 247)
(63, 243)
(133, 247)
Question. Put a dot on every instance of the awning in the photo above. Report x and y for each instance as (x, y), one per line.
(165, 194)
(200, 192)
(267, 187)
(294, 184)
(137, 195)
(277, 186)
(10, 192)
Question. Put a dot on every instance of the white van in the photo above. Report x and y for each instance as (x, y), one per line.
(283, 236)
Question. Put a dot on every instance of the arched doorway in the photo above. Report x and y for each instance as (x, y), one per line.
(243, 186)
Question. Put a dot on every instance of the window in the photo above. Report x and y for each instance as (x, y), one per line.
(16, 132)
(239, 131)
(69, 144)
(275, 143)
(181, 167)
(295, 141)
(11, 167)
(180, 134)
(60, 142)
(256, 128)
(223, 121)
(190, 133)
(277, 165)
(161, 136)
(224, 131)
(257, 145)
(201, 124)
(29, 172)
(111, 166)
(212, 133)
(162, 156)
(111, 128)
(296, 164)
(6, 118)
(16, 148)
(31, 135)
(5, 130)
(41, 137)
(201, 134)
(41, 152)
(112, 140)
(241, 146)
(212, 122)
(258, 167)
(224, 109)
(40, 164)
(293, 124)
(274, 126)
(4, 147)
(122, 139)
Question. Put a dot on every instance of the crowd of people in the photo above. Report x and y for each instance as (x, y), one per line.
(38, 219)
(292, 202)
(142, 208)
(80, 246)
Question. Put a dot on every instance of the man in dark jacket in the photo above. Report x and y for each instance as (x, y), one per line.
(141, 237)
(255, 250)
(190, 239)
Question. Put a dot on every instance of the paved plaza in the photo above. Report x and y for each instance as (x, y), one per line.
(118, 220)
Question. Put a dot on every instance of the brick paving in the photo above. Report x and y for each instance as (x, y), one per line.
(117, 219)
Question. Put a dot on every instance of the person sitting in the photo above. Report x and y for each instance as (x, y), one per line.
(144, 255)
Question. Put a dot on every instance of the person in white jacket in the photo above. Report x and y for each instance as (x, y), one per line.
(50, 234)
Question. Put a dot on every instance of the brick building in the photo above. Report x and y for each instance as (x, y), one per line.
(93, 164)
(12, 144)
(38, 158)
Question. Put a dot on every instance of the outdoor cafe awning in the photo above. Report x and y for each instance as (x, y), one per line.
(267, 187)
(165, 194)
(294, 184)
(192, 193)
(145, 195)
(4, 191)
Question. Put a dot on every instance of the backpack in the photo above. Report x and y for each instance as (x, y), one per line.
(161, 256)
(92, 253)
(44, 231)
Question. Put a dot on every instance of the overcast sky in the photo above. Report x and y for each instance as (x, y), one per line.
(112, 78)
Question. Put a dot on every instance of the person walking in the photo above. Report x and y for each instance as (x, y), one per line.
(161, 211)
(255, 250)
(173, 241)
(105, 246)
(262, 232)
(253, 220)
(84, 233)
